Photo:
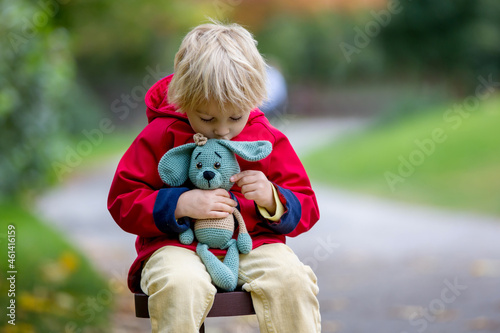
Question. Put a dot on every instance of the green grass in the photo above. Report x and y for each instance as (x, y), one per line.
(109, 146)
(114, 144)
(54, 285)
(458, 169)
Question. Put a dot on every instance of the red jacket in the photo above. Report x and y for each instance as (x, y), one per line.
(143, 205)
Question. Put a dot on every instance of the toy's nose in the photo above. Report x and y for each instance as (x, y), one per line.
(208, 175)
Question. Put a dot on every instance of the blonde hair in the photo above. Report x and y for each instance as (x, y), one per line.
(220, 64)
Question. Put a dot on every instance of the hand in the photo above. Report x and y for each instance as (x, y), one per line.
(255, 186)
(205, 204)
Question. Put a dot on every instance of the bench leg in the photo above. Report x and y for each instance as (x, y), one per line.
(202, 328)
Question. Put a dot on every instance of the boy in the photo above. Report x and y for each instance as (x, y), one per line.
(218, 81)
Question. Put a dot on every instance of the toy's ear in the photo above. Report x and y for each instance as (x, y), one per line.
(249, 150)
(174, 165)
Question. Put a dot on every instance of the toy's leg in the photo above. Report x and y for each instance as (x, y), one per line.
(232, 259)
(221, 275)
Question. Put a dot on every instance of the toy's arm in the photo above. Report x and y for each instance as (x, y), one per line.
(244, 241)
(186, 237)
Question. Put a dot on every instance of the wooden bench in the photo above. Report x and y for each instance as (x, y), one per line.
(226, 304)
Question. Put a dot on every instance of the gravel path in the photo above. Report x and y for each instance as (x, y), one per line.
(382, 266)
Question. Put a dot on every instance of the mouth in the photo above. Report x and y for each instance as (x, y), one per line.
(207, 184)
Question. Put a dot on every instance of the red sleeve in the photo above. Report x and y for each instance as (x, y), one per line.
(136, 182)
(284, 169)
(294, 187)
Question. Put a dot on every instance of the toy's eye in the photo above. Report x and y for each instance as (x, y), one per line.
(216, 165)
(199, 165)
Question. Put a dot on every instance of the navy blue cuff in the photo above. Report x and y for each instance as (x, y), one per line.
(164, 210)
(235, 199)
(293, 212)
(237, 207)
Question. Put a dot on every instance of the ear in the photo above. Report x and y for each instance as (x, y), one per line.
(174, 165)
(249, 150)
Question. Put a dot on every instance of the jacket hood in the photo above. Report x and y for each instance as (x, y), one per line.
(157, 101)
(158, 105)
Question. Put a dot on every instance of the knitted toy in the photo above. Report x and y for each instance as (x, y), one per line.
(209, 163)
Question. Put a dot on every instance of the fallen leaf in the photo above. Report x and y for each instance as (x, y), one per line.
(485, 268)
(483, 324)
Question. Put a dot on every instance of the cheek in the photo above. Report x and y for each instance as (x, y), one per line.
(238, 128)
(201, 128)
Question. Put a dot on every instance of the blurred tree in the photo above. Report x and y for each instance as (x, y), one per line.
(115, 41)
(441, 41)
(38, 95)
(307, 47)
(432, 38)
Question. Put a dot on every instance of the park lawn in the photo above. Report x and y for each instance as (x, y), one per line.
(112, 145)
(438, 157)
(56, 288)
(82, 154)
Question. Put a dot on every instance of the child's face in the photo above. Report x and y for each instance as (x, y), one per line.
(209, 121)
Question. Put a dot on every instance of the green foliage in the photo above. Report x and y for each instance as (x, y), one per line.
(437, 156)
(38, 95)
(447, 41)
(56, 289)
(308, 47)
(445, 37)
(114, 41)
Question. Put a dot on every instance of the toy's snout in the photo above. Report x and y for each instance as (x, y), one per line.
(208, 175)
(209, 178)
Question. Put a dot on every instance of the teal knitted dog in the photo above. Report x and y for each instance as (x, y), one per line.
(209, 163)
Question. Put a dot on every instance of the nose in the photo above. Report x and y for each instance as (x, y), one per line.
(221, 131)
(208, 175)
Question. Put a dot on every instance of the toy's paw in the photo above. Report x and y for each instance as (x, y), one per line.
(244, 243)
(186, 237)
(225, 279)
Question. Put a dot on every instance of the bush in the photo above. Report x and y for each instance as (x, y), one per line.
(38, 96)
(453, 42)
(308, 47)
(459, 38)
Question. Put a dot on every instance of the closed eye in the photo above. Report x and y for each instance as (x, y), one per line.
(207, 120)
(235, 118)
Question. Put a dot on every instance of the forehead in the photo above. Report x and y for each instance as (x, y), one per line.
(214, 110)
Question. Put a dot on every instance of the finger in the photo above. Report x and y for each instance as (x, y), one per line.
(222, 193)
(228, 202)
(217, 215)
(224, 197)
(249, 180)
(256, 179)
(247, 188)
(252, 195)
(223, 208)
(235, 178)
(256, 186)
